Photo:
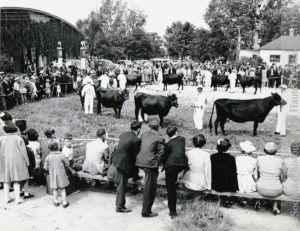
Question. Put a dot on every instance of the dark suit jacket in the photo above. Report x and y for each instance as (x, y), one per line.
(124, 157)
(152, 149)
(175, 153)
(223, 173)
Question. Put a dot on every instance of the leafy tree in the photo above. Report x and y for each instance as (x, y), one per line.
(179, 37)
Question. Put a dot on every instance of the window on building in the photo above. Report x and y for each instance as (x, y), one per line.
(292, 59)
(274, 58)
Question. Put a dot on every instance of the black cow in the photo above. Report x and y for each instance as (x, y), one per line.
(173, 79)
(241, 111)
(219, 80)
(111, 98)
(248, 81)
(154, 105)
(134, 79)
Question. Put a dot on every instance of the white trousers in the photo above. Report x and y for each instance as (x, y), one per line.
(88, 105)
(198, 118)
(281, 121)
(232, 85)
(207, 83)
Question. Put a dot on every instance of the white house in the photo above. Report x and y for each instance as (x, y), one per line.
(281, 51)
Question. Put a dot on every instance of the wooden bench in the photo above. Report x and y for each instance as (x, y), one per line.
(162, 184)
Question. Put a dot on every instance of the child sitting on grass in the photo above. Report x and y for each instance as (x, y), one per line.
(57, 164)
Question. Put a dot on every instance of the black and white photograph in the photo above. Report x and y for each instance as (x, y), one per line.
(161, 115)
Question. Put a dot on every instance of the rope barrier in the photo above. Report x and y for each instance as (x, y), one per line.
(187, 148)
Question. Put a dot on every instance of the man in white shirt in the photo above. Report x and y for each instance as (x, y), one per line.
(232, 80)
(122, 80)
(199, 107)
(207, 76)
(281, 114)
(88, 92)
(97, 154)
(104, 80)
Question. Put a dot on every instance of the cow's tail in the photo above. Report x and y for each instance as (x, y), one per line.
(210, 120)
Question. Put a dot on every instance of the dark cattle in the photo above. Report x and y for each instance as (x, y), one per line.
(173, 79)
(248, 81)
(134, 79)
(154, 105)
(219, 80)
(241, 111)
(111, 98)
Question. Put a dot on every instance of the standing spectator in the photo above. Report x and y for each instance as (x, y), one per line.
(232, 79)
(149, 158)
(2, 97)
(270, 76)
(48, 88)
(97, 154)
(198, 177)
(124, 158)
(56, 163)
(207, 78)
(270, 174)
(104, 80)
(281, 114)
(88, 92)
(122, 80)
(264, 79)
(14, 161)
(175, 162)
(16, 88)
(199, 107)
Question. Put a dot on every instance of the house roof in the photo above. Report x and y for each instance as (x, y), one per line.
(283, 43)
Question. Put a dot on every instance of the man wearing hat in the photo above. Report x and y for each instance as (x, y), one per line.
(88, 92)
(199, 106)
(281, 114)
(149, 158)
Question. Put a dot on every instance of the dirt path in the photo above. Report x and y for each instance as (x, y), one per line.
(88, 211)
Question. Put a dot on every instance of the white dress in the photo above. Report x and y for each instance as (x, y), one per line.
(199, 107)
(198, 177)
(246, 167)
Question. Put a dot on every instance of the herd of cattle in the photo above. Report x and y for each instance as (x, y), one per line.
(239, 111)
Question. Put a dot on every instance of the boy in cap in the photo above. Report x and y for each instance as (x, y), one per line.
(281, 114)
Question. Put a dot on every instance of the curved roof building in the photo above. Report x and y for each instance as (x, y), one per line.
(30, 35)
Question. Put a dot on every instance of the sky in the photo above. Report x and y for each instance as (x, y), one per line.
(160, 13)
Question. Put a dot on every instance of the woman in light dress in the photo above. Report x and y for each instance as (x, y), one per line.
(246, 168)
(291, 172)
(198, 177)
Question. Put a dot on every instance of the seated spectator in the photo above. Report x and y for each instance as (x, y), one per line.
(68, 151)
(223, 166)
(270, 174)
(97, 153)
(246, 168)
(291, 172)
(198, 177)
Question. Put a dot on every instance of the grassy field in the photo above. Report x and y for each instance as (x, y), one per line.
(65, 115)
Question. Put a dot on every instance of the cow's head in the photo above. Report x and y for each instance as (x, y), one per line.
(173, 99)
(277, 99)
(125, 94)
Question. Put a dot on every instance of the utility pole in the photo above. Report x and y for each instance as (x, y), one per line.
(238, 48)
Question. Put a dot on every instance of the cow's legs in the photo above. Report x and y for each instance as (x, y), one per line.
(137, 110)
(222, 123)
(227, 87)
(255, 128)
(216, 125)
(244, 89)
(119, 112)
(255, 91)
(99, 107)
(142, 115)
(116, 112)
(161, 122)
